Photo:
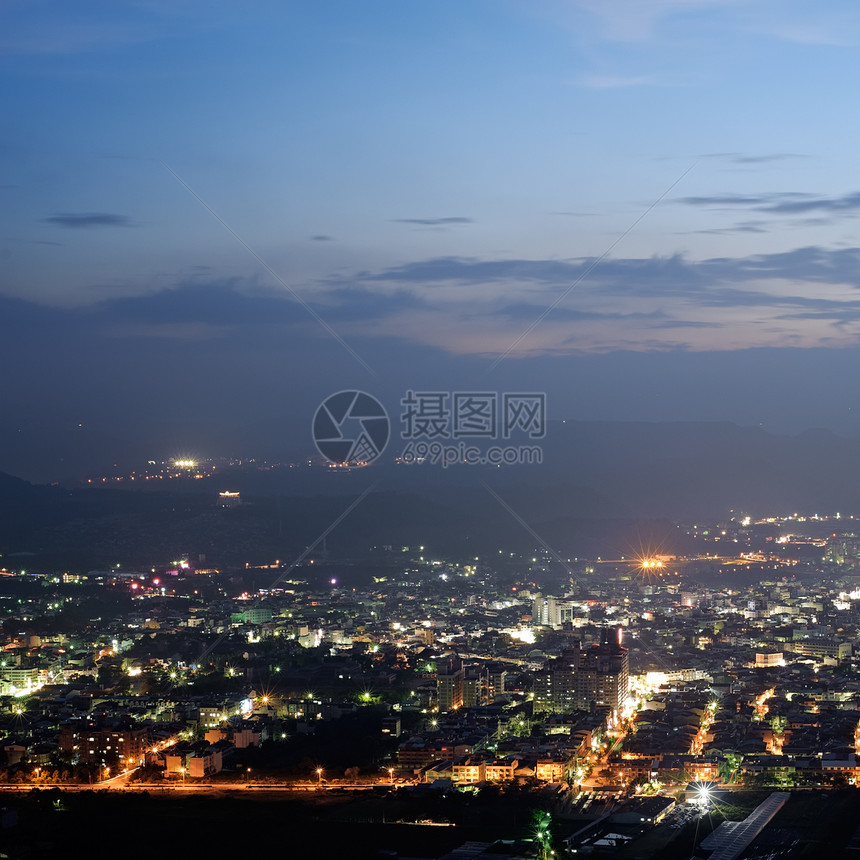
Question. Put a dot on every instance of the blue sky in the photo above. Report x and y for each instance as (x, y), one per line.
(428, 178)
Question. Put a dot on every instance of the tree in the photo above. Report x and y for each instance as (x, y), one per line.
(729, 765)
(753, 779)
(351, 773)
(542, 832)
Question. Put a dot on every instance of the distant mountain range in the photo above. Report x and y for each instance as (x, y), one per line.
(602, 487)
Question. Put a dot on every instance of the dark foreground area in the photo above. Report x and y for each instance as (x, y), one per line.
(49, 823)
(110, 825)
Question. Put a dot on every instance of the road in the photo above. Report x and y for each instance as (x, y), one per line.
(120, 784)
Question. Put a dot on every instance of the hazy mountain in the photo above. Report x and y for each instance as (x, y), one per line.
(598, 484)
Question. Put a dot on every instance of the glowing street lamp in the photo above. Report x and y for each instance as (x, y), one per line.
(319, 776)
(704, 795)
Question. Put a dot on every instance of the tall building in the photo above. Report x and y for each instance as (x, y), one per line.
(553, 611)
(582, 680)
(496, 682)
(544, 611)
(475, 685)
(603, 678)
(449, 684)
(555, 687)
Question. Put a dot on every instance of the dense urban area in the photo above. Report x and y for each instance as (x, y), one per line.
(632, 706)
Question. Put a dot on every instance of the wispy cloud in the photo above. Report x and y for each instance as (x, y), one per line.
(734, 201)
(86, 220)
(807, 297)
(321, 238)
(846, 203)
(741, 158)
(781, 203)
(637, 21)
(713, 304)
(434, 222)
(741, 227)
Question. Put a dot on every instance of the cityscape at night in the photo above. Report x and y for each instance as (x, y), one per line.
(430, 431)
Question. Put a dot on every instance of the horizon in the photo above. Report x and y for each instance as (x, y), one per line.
(216, 219)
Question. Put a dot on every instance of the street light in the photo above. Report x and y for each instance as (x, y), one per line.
(391, 775)
(319, 776)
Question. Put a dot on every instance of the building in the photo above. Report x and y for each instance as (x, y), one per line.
(603, 677)
(821, 649)
(416, 753)
(88, 743)
(391, 726)
(552, 611)
(555, 688)
(768, 659)
(550, 769)
(475, 686)
(583, 680)
(449, 684)
(16, 680)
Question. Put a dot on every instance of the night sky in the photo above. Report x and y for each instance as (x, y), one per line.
(216, 214)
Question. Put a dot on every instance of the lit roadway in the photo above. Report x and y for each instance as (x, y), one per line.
(663, 567)
(120, 784)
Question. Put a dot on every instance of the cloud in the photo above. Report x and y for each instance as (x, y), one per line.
(741, 227)
(761, 202)
(740, 158)
(469, 306)
(322, 238)
(637, 21)
(846, 203)
(468, 270)
(780, 203)
(434, 222)
(623, 299)
(220, 305)
(85, 220)
(652, 276)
